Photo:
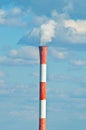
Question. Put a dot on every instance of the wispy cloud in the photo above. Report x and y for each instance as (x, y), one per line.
(6, 91)
(16, 11)
(23, 56)
(59, 53)
(34, 5)
(12, 17)
(80, 91)
(35, 74)
(78, 25)
(26, 112)
(58, 28)
(2, 83)
(68, 7)
(2, 74)
(16, 61)
(79, 62)
(27, 52)
(45, 7)
(76, 31)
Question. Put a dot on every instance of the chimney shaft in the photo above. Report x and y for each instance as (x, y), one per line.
(42, 102)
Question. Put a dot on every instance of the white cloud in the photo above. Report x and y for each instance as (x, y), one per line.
(59, 53)
(29, 114)
(82, 116)
(25, 90)
(6, 91)
(69, 30)
(2, 74)
(16, 61)
(2, 16)
(75, 30)
(2, 13)
(35, 74)
(41, 19)
(79, 62)
(2, 83)
(16, 11)
(80, 91)
(23, 56)
(13, 22)
(27, 52)
(68, 7)
(78, 25)
(12, 17)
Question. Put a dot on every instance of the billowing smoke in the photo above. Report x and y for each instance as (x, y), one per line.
(60, 29)
(43, 34)
(47, 32)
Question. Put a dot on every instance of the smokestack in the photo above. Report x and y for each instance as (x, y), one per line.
(42, 102)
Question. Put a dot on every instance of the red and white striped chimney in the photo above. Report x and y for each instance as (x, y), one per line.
(42, 108)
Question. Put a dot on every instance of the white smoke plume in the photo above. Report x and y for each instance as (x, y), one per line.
(59, 29)
(47, 31)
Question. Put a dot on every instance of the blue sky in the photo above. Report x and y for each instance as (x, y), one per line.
(24, 25)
